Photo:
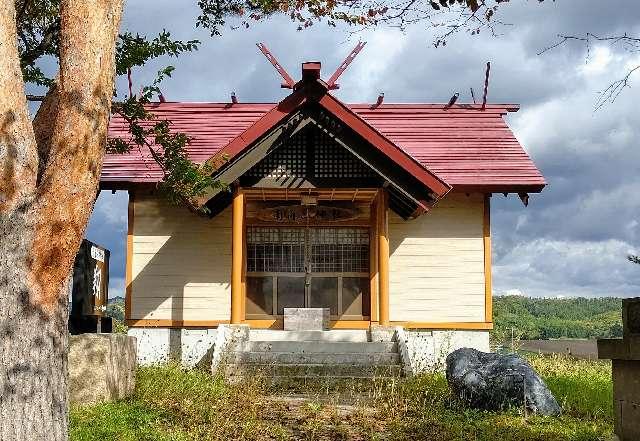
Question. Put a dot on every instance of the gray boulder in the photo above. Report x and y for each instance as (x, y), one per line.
(494, 382)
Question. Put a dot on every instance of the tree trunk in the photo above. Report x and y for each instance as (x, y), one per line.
(48, 182)
(33, 346)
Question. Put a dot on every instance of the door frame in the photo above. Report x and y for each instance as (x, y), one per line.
(377, 227)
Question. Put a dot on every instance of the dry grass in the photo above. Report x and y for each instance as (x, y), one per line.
(181, 405)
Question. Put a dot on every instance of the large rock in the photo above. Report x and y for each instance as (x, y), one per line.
(493, 382)
(102, 367)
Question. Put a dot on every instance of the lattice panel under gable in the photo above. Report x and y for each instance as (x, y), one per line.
(287, 160)
(331, 160)
(311, 153)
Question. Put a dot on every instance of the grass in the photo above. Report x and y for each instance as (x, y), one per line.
(582, 387)
(190, 405)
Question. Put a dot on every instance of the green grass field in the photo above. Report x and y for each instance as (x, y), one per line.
(175, 404)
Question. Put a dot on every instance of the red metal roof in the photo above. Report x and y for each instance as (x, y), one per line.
(466, 147)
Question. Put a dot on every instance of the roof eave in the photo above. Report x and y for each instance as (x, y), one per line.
(499, 188)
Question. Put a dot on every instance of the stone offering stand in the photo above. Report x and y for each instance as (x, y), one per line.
(625, 356)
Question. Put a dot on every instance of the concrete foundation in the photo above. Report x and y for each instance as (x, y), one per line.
(190, 347)
(101, 367)
(379, 333)
(427, 350)
(424, 350)
(229, 339)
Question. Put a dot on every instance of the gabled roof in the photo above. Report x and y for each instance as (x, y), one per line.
(316, 93)
(464, 147)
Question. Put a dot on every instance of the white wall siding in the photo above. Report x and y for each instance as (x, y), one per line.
(436, 271)
(181, 264)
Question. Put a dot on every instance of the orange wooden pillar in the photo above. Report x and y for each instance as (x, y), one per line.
(488, 293)
(129, 264)
(237, 257)
(382, 215)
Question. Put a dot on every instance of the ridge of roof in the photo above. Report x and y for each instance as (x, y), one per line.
(509, 107)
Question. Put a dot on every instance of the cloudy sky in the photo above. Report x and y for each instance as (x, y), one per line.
(573, 238)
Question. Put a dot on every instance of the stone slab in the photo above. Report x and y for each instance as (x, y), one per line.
(340, 335)
(102, 367)
(319, 347)
(360, 359)
(306, 319)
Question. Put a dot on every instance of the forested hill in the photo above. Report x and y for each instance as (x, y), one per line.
(535, 318)
(530, 318)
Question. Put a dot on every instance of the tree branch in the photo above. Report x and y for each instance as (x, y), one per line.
(69, 181)
(18, 157)
(629, 43)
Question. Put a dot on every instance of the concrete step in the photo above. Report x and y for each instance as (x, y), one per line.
(363, 359)
(338, 335)
(332, 386)
(318, 347)
(314, 370)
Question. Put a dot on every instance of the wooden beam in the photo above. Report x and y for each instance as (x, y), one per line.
(277, 324)
(129, 262)
(167, 323)
(365, 324)
(486, 229)
(342, 194)
(476, 326)
(350, 324)
(383, 257)
(237, 257)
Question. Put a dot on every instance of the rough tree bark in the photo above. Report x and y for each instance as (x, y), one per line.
(49, 176)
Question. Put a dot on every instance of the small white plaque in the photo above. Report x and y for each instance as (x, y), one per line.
(97, 254)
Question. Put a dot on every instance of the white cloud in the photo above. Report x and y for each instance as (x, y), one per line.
(511, 292)
(112, 208)
(573, 238)
(598, 61)
(549, 268)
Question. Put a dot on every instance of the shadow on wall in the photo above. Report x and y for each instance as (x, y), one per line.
(181, 266)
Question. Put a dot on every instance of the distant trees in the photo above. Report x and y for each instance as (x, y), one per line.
(580, 317)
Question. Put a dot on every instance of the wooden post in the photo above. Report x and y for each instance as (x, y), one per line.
(237, 258)
(373, 264)
(383, 257)
(129, 264)
(488, 293)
